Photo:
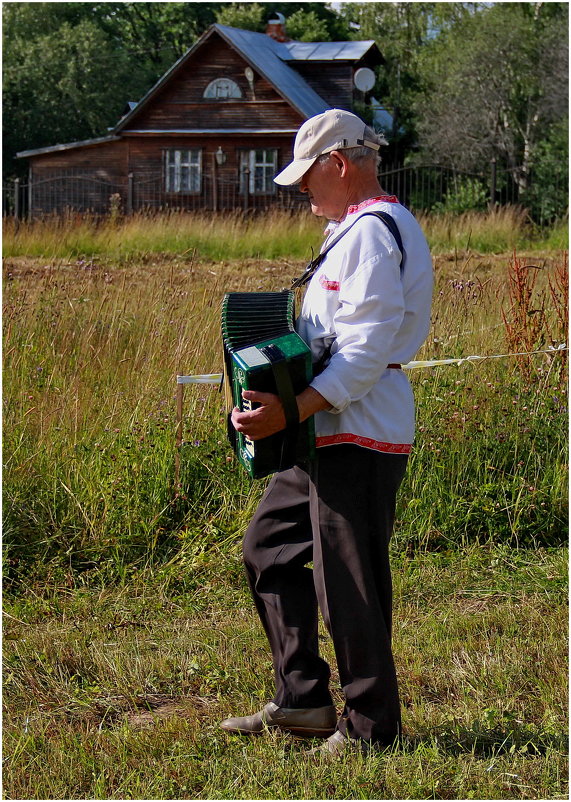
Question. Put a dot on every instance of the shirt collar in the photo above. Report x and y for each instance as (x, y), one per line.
(363, 205)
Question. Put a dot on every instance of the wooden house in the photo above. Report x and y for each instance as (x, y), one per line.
(212, 132)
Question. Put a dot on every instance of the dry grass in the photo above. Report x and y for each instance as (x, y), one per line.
(275, 235)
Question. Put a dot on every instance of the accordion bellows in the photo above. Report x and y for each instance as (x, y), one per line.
(262, 351)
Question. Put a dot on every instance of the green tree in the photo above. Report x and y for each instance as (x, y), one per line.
(492, 85)
(401, 31)
(248, 16)
(62, 97)
(306, 26)
(158, 33)
(547, 197)
(305, 22)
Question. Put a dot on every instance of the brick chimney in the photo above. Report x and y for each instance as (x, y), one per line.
(276, 28)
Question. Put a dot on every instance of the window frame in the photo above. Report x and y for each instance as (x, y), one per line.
(193, 163)
(216, 83)
(249, 161)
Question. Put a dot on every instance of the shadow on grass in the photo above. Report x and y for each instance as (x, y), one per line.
(485, 742)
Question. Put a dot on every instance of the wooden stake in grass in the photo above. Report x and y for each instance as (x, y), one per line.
(179, 405)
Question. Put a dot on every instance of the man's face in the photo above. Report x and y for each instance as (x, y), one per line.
(325, 188)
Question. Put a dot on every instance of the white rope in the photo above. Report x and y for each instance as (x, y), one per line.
(216, 378)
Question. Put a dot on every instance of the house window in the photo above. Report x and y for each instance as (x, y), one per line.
(262, 165)
(183, 170)
(222, 89)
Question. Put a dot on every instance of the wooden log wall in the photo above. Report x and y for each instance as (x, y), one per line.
(181, 103)
(333, 81)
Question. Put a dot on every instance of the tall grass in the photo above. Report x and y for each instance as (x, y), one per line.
(215, 236)
(497, 231)
(91, 353)
(238, 236)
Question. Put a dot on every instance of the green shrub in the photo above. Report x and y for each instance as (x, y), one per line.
(467, 195)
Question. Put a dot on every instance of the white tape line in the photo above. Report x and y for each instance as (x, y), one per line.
(204, 378)
(430, 363)
(216, 378)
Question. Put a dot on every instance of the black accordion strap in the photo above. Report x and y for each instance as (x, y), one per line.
(314, 264)
(286, 394)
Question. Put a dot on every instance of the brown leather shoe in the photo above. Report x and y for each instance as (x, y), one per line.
(311, 721)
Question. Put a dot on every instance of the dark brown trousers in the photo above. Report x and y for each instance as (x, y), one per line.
(338, 513)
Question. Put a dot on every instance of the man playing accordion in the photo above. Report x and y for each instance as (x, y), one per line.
(366, 312)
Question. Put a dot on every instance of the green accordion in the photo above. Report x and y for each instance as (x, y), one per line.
(263, 352)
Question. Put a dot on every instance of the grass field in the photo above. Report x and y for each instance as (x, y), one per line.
(128, 630)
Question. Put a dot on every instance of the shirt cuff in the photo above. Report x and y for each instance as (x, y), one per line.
(333, 391)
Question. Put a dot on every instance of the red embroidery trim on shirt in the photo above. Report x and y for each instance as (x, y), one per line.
(329, 285)
(366, 442)
(363, 205)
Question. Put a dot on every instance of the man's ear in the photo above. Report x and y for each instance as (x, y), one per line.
(340, 162)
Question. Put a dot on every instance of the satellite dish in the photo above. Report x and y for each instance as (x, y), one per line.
(249, 73)
(364, 79)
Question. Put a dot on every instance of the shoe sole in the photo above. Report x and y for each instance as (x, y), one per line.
(314, 732)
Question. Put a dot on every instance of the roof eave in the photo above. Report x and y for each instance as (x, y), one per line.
(84, 143)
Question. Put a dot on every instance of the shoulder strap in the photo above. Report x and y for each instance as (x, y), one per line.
(391, 224)
(384, 217)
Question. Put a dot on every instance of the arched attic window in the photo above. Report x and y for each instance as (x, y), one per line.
(222, 89)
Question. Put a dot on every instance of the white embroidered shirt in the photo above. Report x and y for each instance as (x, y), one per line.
(372, 315)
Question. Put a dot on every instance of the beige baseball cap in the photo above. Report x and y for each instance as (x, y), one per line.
(334, 129)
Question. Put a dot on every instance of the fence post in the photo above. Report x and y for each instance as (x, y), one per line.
(17, 199)
(246, 188)
(130, 193)
(493, 182)
(30, 194)
(214, 184)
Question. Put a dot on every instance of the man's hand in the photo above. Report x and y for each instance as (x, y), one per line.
(269, 417)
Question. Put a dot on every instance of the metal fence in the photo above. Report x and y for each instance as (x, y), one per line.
(437, 188)
(420, 187)
(79, 192)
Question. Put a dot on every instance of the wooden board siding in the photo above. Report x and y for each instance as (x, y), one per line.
(107, 158)
(219, 114)
(87, 178)
(147, 158)
(216, 59)
(180, 104)
(332, 81)
(82, 179)
(146, 152)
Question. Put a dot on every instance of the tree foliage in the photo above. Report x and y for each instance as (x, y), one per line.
(493, 84)
(402, 31)
(62, 98)
(305, 22)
